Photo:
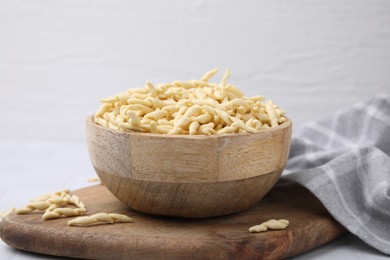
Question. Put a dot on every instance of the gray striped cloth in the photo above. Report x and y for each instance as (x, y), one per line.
(344, 160)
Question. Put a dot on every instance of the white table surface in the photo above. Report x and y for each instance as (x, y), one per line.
(31, 168)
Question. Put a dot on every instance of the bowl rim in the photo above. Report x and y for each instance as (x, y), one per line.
(284, 125)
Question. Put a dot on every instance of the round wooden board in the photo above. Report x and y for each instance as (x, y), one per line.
(154, 237)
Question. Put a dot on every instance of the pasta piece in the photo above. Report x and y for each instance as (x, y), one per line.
(270, 224)
(94, 179)
(100, 218)
(54, 212)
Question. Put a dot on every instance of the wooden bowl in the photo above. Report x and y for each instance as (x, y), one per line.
(188, 176)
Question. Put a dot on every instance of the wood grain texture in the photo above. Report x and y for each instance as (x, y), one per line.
(188, 176)
(185, 158)
(195, 200)
(251, 155)
(161, 159)
(153, 237)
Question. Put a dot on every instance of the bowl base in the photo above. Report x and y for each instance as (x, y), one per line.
(189, 200)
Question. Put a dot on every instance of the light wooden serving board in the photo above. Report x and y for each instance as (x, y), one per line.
(152, 237)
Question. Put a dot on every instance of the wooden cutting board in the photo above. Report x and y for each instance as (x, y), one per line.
(152, 237)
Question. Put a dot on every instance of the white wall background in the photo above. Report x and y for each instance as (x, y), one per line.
(57, 58)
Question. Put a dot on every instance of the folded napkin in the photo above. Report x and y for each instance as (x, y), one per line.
(344, 160)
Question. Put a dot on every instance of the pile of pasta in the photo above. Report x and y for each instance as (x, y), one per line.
(194, 107)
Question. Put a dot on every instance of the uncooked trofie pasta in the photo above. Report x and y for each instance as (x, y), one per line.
(270, 224)
(194, 107)
(100, 218)
(52, 203)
